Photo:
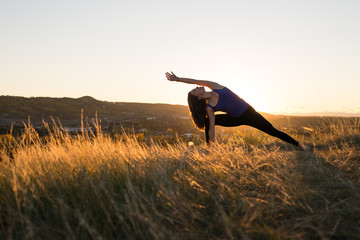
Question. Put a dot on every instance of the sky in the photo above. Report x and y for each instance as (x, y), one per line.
(282, 57)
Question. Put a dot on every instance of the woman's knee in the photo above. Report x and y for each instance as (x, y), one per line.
(273, 131)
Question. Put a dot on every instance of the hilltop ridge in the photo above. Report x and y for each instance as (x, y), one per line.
(15, 109)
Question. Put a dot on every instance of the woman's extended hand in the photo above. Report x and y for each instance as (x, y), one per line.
(171, 76)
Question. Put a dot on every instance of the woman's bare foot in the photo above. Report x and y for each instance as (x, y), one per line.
(303, 147)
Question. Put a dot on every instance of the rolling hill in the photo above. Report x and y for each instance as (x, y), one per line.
(18, 109)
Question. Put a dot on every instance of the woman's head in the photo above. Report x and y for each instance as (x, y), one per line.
(197, 107)
(198, 92)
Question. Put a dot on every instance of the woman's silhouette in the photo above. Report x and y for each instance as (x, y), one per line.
(203, 104)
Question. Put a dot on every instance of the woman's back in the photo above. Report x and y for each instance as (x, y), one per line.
(230, 103)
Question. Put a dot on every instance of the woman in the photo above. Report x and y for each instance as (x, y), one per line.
(204, 104)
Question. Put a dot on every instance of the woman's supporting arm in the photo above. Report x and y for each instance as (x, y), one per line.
(212, 85)
(207, 131)
(210, 125)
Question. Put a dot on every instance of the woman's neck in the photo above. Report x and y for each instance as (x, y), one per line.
(213, 98)
(207, 95)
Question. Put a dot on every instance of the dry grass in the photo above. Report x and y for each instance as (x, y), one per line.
(94, 187)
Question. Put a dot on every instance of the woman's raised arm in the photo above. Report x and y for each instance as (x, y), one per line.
(212, 85)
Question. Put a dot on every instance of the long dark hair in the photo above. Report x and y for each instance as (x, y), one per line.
(198, 110)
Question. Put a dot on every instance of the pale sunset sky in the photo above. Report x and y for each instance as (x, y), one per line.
(282, 57)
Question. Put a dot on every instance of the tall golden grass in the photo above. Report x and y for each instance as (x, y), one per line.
(92, 186)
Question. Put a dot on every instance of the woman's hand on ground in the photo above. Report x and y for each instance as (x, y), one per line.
(171, 76)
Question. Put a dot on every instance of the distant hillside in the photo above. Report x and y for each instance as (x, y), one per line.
(15, 109)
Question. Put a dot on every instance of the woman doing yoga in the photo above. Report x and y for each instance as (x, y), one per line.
(203, 106)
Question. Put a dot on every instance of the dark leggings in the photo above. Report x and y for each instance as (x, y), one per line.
(251, 118)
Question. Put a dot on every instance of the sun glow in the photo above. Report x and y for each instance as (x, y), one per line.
(258, 102)
(257, 99)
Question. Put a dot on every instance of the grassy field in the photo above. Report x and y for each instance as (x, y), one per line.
(248, 186)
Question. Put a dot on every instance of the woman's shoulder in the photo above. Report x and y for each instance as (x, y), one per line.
(216, 86)
(220, 88)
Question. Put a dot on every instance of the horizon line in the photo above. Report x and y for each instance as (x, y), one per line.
(300, 114)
